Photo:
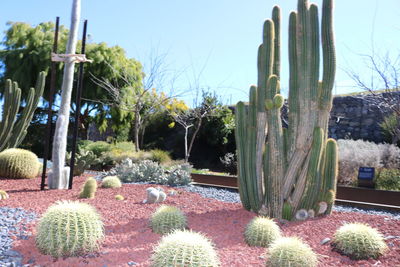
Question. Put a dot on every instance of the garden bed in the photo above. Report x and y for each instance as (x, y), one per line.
(129, 240)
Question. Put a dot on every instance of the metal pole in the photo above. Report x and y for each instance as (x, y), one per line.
(77, 109)
(49, 112)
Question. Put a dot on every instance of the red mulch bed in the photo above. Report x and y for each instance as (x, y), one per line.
(129, 238)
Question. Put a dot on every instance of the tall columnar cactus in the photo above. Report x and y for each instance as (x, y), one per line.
(286, 170)
(13, 130)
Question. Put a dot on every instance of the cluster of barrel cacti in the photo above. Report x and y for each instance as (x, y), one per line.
(69, 228)
(18, 163)
(289, 171)
(13, 126)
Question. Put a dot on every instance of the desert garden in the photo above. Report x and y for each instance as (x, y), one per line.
(70, 200)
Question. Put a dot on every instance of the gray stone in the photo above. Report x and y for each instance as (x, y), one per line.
(325, 241)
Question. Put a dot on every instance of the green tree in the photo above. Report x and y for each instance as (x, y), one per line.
(27, 51)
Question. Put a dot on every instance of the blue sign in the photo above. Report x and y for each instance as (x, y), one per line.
(366, 173)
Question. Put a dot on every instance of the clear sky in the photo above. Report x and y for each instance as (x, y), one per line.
(217, 40)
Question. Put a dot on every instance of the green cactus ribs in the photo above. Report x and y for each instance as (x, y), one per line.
(290, 173)
(13, 126)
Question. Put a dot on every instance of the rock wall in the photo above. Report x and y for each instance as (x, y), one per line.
(358, 116)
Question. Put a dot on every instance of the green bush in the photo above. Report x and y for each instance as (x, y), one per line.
(69, 228)
(359, 241)
(261, 232)
(160, 156)
(18, 163)
(291, 251)
(184, 248)
(166, 219)
(89, 188)
(388, 179)
(111, 182)
(98, 148)
(124, 146)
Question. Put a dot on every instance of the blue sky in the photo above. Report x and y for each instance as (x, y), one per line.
(217, 41)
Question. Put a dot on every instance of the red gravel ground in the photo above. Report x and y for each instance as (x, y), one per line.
(129, 238)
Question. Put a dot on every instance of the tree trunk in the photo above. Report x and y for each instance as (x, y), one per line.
(186, 144)
(193, 137)
(136, 130)
(57, 178)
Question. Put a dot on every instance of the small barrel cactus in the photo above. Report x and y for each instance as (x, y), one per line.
(184, 248)
(119, 197)
(18, 163)
(359, 241)
(3, 194)
(291, 251)
(111, 182)
(261, 232)
(69, 228)
(166, 219)
(89, 188)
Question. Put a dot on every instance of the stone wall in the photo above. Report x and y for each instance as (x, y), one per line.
(358, 116)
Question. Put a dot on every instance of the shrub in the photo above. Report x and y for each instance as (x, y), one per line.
(98, 148)
(291, 251)
(89, 188)
(166, 219)
(355, 154)
(179, 175)
(151, 172)
(69, 228)
(261, 232)
(185, 248)
(388, 179)
(84, 159)
(18, 163)
(160, 156)
(124, 146)
(3, 194)
(359, 241)
(119, 197)
(111, 182)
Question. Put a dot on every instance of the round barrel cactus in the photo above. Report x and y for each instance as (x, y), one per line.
(291, 251)
(18, 163)
(261, 232)
(111, 182)
(3, 195)
(69, 228)
(166, 219)
(359, 241)
(184, 248)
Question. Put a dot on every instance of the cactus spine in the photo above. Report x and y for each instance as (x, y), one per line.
(282, 170)
(13, 130)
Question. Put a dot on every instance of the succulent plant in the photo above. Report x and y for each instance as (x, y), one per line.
(83, 160)
(291, 251)
(69, 228)
(111, 182)
(359, 241)
(89, 188)
(184, 248)
(261, 232)
(166, 219)
(3, 195)
(282, 170)
(119, 197)
(18, 163)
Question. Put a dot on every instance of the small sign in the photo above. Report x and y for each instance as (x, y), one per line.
(366, 176)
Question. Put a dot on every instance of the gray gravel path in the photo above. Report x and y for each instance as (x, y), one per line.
(9, 218)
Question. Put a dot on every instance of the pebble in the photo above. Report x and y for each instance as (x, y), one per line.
(9, 219)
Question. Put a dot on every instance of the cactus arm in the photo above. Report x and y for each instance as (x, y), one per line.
(265, 67)
(330, 173)
(251, 172)
(276, 18)
(20, 129)
(241, 138)
(293, 85)
(7, 100)
(275, 151)
(11, 114)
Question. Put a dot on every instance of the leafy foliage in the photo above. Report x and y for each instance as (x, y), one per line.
(388, 179)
